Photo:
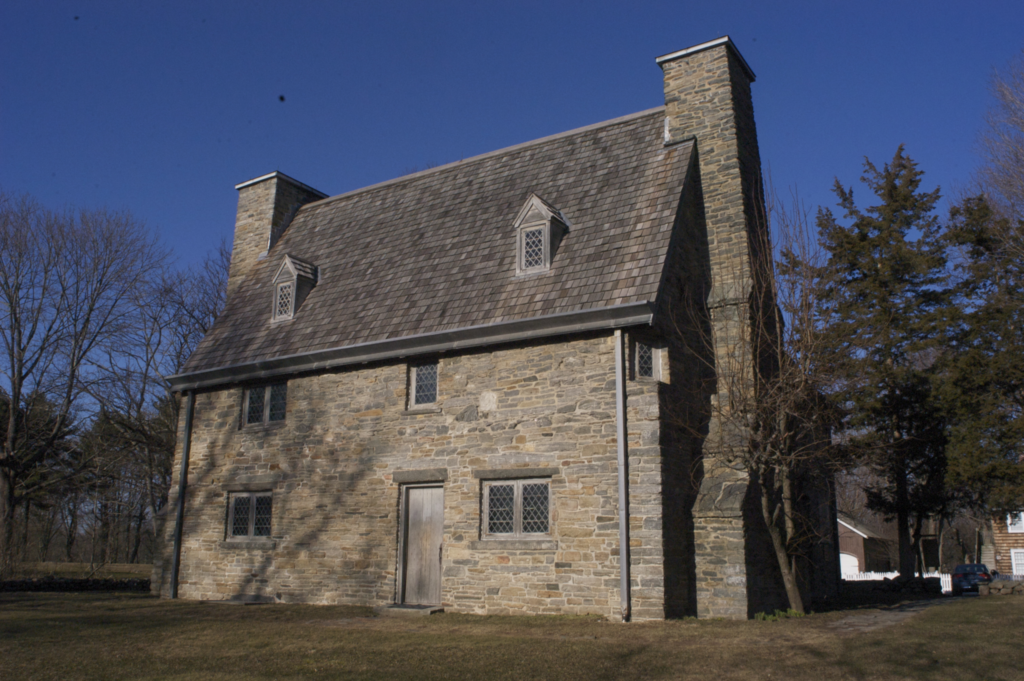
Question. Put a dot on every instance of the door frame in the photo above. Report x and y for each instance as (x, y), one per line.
(403, 493)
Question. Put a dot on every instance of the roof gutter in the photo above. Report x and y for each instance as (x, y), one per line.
(179, 511)
(612, 317)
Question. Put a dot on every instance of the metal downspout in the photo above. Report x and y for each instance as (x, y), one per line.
(182, 486)
(620, 433)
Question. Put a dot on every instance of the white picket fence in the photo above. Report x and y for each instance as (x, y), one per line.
(947, 579)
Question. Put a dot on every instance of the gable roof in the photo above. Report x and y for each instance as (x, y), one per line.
(434, 255)
(857, 527)
(538, 206)
(300, 268)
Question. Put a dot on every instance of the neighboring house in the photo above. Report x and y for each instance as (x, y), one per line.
(1008, 544)
(862, 549)
(479, 386)
(869, 541)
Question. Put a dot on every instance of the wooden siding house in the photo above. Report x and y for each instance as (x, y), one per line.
(482, 386)
(1008, 544)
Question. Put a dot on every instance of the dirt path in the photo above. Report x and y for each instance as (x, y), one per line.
(884, 616)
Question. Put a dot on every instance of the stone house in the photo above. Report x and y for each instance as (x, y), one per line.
(483, 387)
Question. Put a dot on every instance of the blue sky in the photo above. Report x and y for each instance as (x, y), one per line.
(162, 107)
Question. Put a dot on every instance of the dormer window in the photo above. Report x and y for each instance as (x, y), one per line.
(295, 279)
(540, 228)
(285, 298)
(533, 248)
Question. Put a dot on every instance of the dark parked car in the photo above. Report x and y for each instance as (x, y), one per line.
(968, 577)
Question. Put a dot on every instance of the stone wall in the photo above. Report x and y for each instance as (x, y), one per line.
(708, 99)
(1002, 587)
(332, 468)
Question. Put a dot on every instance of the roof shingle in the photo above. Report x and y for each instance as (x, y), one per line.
(436, 251)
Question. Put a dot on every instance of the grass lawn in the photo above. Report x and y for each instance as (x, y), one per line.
(120, 636)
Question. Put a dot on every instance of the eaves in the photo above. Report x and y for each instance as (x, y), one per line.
(611, 317)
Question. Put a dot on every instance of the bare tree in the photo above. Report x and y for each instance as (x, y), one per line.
(198, 295)
(770, 419)
(140, 413)
(1002, 143)
(67, 284)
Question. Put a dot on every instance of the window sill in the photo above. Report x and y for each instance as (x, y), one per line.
(528, 274)
(415, 411)
(263, 427)
(257, 544)
(514, 545)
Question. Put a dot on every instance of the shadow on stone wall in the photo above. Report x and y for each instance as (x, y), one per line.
(766, 592)
(679, 491)
(316, 488)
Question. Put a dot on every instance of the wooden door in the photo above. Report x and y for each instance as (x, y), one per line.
(424, 525)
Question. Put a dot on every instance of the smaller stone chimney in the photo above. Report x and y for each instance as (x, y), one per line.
(266, 206)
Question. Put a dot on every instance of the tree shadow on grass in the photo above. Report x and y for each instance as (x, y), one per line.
(943, 643)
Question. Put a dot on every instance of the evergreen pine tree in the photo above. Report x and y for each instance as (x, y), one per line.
(983, 365)
(884, 300)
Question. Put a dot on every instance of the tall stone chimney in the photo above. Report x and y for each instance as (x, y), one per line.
(707, 100)
(266, 206)
(707, 97)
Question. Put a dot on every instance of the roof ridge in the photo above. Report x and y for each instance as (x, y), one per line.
(479, 157)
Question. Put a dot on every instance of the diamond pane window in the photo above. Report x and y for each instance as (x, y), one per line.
(501, 509)
(644, 360)
(517, 508)
(261, 519)
(535, 508)
(278, 401)
(533, 248)
(425, 384)
(285, 298)
(265, 403)
(250, 514)
(254, 412)
(539, 229)
(240, 516)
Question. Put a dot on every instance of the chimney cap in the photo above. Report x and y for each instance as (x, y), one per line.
(278, 174)
(724, 40)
